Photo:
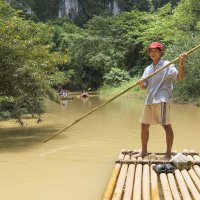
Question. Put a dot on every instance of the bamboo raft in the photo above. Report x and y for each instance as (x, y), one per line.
(135, 179)
(67, 98)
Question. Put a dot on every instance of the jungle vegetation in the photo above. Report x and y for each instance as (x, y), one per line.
(38, 54)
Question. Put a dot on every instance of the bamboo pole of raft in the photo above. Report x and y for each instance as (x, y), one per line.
(158, 153)
(183, 188)
(117, 195)
(196, 158)
(135, 84)
(196, 168)
(112, 181)
(195, 179)
(146, 183)
(165, 187)
(137, 183)
(154, 185)
(129, 181)
(147, 162)
(190, 185)
(173, 187)
(194, 176)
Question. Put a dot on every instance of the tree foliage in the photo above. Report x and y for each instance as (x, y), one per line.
(187, 89)
(116, 77)
(108, 42)
(28, 70)
(36, 9)
(187, 15)
(35, 57)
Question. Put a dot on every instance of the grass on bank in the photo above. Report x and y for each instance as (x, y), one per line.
(134, 92)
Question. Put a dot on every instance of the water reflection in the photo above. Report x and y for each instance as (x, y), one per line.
(84, 99)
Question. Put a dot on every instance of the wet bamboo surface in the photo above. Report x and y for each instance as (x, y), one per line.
(136, 180)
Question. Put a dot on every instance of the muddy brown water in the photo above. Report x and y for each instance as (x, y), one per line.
(77, 164)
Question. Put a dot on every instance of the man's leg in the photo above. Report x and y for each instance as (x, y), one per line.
(144, 140)
(169, 141)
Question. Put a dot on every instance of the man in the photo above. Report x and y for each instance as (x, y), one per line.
(157, 108)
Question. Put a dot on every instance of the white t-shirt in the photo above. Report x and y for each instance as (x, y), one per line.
(159, 86)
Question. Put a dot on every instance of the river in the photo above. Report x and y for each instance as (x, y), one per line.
(77, 164)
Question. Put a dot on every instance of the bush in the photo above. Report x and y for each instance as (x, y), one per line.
(116, 77)
(188, 88)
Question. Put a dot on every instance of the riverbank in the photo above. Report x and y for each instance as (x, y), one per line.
(136, 92)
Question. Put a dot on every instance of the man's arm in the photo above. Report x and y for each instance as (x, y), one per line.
(143, 84)
(182, 58)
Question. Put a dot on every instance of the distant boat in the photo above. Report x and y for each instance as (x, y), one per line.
(84, 94)
(66, 98)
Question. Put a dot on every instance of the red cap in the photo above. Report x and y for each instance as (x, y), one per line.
(155, 45)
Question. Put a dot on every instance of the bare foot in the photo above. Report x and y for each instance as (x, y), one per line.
(140, 154)
(166, 157)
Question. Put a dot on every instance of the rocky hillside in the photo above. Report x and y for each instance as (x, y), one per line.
(81, 10)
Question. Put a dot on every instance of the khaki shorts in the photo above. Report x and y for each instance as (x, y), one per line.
(156, 114)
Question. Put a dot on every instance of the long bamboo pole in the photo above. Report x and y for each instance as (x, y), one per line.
(196, 168)
(194, 176)
(165, 187)
(103, 104)
(118, 192)
(143, 162)
(112, 181)
(129, 181)
(146, 182)
(193, 190)
(158, 153)
(182, 185)
(137, 188)
(154, 185)
(173, 187)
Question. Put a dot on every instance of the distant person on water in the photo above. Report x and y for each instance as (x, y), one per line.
(65, 93)
(84, 94)
(159, 92)
(61, 92)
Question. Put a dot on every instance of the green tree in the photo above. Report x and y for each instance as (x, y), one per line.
(91, 57)
(5, 11)
(187, 15)
(188, 89)
(28, 70)
(37, 10)
(116, 77)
